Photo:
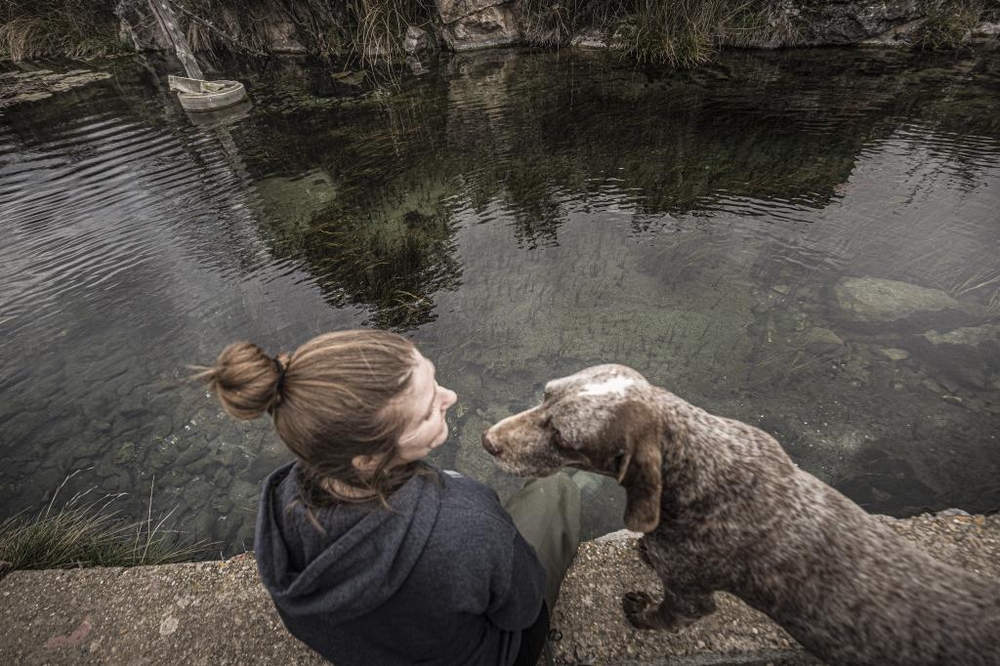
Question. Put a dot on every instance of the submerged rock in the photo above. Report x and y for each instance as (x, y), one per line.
(822, 340)
(894, 354)
(968, 355)
(868, 300)
(292, 202)
(972, 336)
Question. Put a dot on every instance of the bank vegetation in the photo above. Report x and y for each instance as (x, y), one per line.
(680, 33)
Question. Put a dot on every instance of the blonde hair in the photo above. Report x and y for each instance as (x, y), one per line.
(330, 400)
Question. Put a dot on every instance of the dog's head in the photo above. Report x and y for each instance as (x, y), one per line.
(600, 419)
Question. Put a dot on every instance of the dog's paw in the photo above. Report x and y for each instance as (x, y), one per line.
(635, 605)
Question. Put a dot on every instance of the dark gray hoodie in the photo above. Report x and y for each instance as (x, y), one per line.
(443, 578)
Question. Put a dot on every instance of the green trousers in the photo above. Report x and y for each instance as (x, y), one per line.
(546, 512)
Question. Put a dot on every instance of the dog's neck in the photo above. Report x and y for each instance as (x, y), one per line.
(695, 466)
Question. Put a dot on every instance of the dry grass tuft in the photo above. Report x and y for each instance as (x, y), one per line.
(74, 28)
(681, 33)
(949, 25)
(90, 533)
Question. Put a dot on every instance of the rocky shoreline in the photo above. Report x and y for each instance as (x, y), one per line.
(462, 25)
(218, 612)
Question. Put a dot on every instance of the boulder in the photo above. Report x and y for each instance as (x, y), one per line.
(282, 35)
(591, 38)
(416, 40)
(492, 26)
(453, 10)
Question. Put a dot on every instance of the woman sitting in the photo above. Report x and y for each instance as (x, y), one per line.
(370, 554)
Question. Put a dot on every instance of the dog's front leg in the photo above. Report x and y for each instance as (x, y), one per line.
(682, 603)
(675, 612)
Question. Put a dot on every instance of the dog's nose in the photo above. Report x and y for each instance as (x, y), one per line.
(490, 445)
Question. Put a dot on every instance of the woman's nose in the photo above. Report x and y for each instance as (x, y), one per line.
(450, 398)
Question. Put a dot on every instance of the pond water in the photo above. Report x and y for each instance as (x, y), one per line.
(808, 241)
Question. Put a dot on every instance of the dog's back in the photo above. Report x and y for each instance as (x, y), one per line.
(839, 581)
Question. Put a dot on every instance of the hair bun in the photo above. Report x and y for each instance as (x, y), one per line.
(247, 380)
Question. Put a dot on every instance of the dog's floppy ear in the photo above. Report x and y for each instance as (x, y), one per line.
(639, 467)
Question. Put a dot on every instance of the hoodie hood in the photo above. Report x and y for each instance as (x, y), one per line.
(359, 560)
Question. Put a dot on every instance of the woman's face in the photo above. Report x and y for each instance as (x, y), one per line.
(424, 403)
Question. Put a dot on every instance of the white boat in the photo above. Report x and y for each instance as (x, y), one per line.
(200, 95)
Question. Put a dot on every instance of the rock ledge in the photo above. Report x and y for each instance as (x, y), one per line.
(218, 612)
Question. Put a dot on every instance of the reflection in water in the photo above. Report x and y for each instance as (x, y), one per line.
(392, 258)
(804, 241)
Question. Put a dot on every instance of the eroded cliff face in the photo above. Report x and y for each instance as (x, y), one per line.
(460, 25)
(468, 24)
(852, 22)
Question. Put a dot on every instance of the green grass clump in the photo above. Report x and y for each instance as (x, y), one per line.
(90, 534)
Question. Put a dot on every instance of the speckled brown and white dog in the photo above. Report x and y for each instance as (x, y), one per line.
(723, 507)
